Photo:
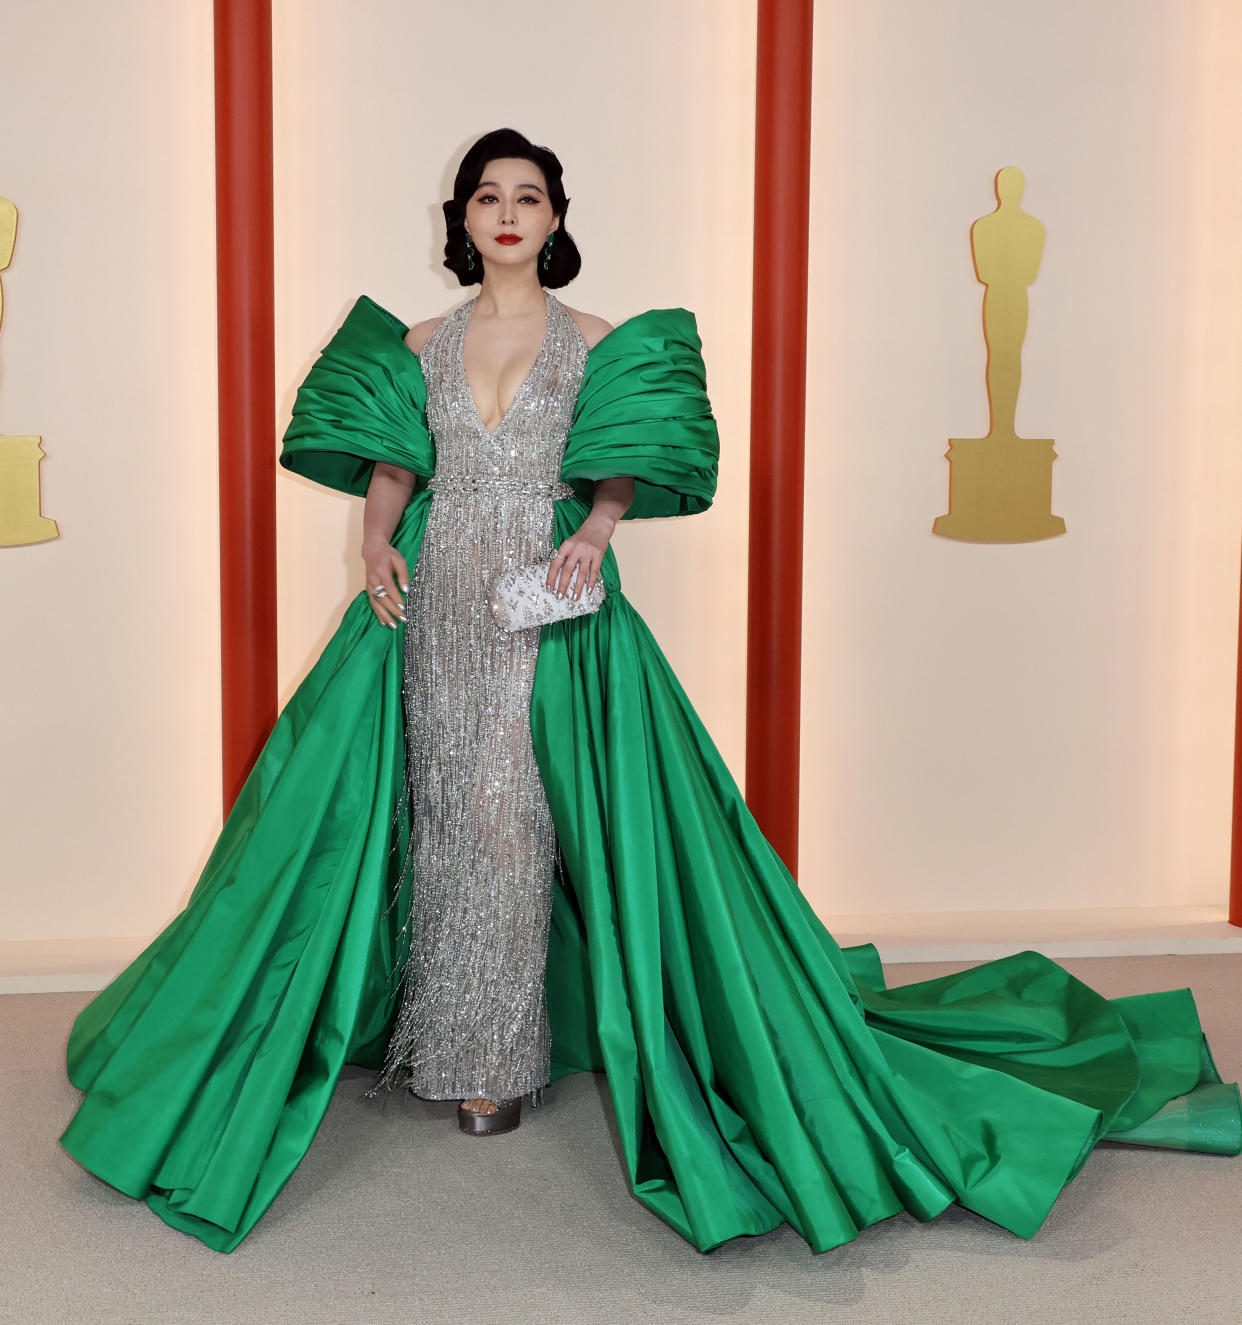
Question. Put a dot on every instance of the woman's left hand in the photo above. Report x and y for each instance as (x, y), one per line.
(582, 551)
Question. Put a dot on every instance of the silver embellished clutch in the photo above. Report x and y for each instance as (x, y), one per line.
(520, 598)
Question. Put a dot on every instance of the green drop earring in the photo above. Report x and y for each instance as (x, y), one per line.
(469, 253)
(547, 251)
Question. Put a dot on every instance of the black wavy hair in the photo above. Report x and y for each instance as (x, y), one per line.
(566, 261)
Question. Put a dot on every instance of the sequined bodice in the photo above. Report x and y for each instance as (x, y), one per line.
(527, 444)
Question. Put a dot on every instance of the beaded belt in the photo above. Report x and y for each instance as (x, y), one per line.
(458, 483)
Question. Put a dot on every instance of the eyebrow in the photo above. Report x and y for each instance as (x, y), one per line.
(491, 184)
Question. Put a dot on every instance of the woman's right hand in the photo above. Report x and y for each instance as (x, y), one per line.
(386, 570)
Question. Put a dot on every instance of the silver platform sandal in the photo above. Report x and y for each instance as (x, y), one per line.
(506, 1117)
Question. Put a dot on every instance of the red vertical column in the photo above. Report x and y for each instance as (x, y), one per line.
(1235, 864)
(245, 337)
(778, 416)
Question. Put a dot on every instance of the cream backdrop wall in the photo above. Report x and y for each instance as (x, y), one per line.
(1043, 725)
(109, 668)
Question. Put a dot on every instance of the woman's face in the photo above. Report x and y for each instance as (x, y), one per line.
(509, 216)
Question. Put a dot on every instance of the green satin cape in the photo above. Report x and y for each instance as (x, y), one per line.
(759, 1074)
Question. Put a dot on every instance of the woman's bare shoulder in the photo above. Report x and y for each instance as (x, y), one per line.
(593, 328)
(420, 333)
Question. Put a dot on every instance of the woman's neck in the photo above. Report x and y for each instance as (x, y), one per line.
(507, 294)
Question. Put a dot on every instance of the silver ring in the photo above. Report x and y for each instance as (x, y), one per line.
(379, 591)
(560, 556)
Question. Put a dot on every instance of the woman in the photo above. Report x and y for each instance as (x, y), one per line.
(418, 793)
(503, 373)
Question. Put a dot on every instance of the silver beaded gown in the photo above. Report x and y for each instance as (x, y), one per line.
(471, 1019)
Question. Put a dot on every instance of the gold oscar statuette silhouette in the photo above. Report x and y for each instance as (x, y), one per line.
(1000, 486)
(20, 518)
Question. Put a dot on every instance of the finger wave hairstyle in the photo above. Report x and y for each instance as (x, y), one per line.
(566, 261)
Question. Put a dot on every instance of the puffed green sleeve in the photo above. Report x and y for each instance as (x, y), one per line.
(364, 399)
(643, 411)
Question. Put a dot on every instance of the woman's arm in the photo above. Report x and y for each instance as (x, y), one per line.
(387, 496)
(610, 500)
(585, 548)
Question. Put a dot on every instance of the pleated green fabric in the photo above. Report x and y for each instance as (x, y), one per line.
(759, 1074)
(647, 372)
(365, 399)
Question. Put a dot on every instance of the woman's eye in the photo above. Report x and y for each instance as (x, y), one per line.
(528, 198)
(486, 197)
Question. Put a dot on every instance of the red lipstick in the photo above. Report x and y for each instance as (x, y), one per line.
(508, 238)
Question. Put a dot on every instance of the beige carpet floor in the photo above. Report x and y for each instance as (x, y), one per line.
(394, 1216)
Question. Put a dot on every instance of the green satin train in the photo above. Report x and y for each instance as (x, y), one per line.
(759, 1074)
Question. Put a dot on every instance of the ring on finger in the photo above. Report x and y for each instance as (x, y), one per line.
(379, 591)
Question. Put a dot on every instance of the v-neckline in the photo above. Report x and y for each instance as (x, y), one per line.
(517, 395)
